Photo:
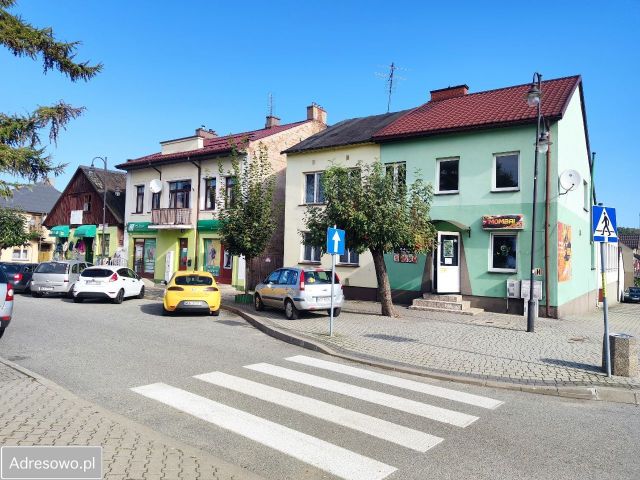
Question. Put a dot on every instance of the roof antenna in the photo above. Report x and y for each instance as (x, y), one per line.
(270, 106)
(391, 79)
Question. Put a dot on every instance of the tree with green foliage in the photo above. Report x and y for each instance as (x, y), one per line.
(628, 231)
(378, 212)
(13, 230)
(247, 212)
(21, 152)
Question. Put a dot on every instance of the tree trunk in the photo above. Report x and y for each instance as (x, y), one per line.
(384, 287)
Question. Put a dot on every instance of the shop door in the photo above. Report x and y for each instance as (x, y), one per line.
(448, 263)
(226, 267)
(183, 254)
(144, 257)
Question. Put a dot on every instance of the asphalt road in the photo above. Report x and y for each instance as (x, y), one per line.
(101, 351)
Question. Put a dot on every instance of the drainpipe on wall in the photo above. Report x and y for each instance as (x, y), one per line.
(546, 233)
(197, 165)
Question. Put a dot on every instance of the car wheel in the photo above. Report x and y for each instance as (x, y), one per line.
(119, 297)
(77, 300)
(2, 331)
(215, 313)
(141, 294)
(36, 294)
(336, 312)
(258, 303)
(27, 288)
(290, 310)
(70, 292)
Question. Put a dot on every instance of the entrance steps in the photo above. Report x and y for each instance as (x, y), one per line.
(444, 303)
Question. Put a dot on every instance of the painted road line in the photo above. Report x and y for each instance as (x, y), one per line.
(468, 398)
(323, 455)
(398, 403)
(407, 437)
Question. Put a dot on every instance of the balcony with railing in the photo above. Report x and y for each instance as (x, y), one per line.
(171, 218)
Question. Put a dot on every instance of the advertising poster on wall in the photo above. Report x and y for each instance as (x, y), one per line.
(212, 256)
(564, 252)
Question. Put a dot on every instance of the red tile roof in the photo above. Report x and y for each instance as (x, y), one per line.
(212, 146)
(492, 108)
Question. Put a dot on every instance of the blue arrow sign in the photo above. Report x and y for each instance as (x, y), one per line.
(604, 225)
(335, 241)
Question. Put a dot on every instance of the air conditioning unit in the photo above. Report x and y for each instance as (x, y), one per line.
(513, 288)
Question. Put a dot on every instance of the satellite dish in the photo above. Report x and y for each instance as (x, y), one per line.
(569, 180)
(155, 185)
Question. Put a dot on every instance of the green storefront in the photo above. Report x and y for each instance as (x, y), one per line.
(83, 242)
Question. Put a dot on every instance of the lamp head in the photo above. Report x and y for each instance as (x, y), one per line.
(533, 96)
(543, 142)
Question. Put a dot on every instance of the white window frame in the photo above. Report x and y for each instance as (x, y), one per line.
(314, 251)
(394, 166)
(438, 162)
(23, 253)
(503, 234)
(349, 253)
(494, 188)
(316, 187)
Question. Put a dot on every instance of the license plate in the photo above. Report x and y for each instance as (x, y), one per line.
(190, 304)
(323, 299)
(92, 282)
(46, 288)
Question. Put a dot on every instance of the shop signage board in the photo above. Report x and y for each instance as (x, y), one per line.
(503, 222)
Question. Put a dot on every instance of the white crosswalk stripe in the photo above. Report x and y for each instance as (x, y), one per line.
(319, 453)
(399, 382)
(376, 427)
(391, 401)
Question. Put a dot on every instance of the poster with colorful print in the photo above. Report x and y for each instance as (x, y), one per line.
(212, 256)
(564, 252)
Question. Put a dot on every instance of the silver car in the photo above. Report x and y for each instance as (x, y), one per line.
(6, 302)
(56, 277)
(294, 289)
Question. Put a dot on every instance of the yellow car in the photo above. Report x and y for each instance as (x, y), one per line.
(191, 292)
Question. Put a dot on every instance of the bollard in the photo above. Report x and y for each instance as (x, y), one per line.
(624, 355)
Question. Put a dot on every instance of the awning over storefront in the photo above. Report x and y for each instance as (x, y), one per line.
(208, 225)
(85, 231)
(139, 227)
(59, 231)
(453, 225)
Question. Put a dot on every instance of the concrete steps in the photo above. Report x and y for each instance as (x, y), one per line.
(444, 303)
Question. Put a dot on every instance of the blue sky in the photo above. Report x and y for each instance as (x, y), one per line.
(170, 67)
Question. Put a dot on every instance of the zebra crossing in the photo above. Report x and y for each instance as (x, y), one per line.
(328, 457)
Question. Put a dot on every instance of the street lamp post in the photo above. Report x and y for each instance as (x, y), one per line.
(104, 200)
(541, 146)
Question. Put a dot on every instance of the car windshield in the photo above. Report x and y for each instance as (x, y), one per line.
(9, 268)
(96, 273)
(317, 276)
(52, 267)
(193, 280)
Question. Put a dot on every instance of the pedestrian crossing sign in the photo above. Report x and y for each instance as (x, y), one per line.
(604, 225)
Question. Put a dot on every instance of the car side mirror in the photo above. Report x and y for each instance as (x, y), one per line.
(163, 282)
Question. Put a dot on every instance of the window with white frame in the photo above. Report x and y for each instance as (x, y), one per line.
(447, 175)
(313, 188)
(310, 253)
(19, 254)
(139, 198)
(350, 257)
(397, 171)
(503, 253)
(506, 172)
(586, 198)
(210, 193)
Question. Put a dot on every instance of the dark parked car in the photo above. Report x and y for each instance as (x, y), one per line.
(632, 294)
(19, 274)
(6, 302)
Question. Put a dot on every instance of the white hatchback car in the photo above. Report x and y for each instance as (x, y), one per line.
(108, 282)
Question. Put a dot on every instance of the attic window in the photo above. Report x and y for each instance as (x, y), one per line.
(86, 206)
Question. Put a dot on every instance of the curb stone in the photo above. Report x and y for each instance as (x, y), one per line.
(233, 472)
(576, 392)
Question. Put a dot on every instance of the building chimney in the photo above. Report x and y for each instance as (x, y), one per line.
(271, 121)
(449, 92)
(317, 113)
(204, 133)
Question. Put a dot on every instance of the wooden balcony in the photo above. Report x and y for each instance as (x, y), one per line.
(171, 216)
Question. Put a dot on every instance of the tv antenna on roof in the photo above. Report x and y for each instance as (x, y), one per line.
(270, 105)
(390, 78)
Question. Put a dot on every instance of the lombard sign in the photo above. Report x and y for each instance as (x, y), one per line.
(503, 222)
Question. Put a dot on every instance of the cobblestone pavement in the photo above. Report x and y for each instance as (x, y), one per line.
(489, 346)
(35, 412)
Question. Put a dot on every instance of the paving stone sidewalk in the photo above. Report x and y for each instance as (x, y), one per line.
(34, 411)
(489, 346)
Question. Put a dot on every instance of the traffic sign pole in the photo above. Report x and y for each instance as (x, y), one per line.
(335, 246)
(333, 280)
(605, 307)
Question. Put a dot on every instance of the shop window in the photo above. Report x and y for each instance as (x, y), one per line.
(506, 172)
(139, 198)
(310, 253)
(447, 175)
(503, 254)
(179, 194)
(227, 261)
(350, 257)
(313, 188)
(155, 201)
(209, 193)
